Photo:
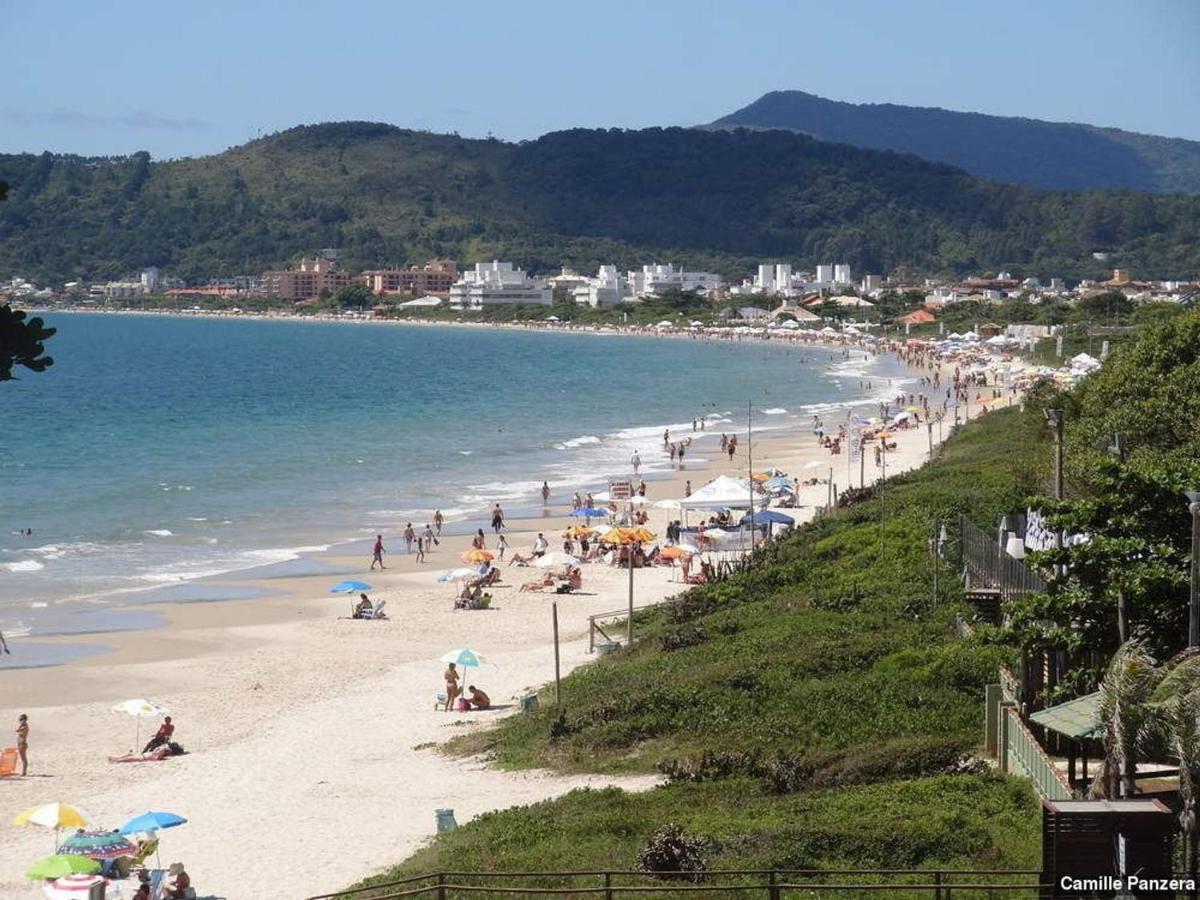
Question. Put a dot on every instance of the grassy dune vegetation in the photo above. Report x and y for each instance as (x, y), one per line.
(815, 710)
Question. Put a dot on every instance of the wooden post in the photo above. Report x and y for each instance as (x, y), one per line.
(991, 720)
(557, 668)
(772, 889)
(591, 635)
(441, 886)
(629, 624)
(608, 886)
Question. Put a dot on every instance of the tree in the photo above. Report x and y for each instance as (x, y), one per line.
(1125, 716)
(356, 294)
(21, 342)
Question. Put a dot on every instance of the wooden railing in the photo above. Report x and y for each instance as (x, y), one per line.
(769, 884)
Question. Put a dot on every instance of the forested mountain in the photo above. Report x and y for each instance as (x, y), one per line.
(724, 199)
(1018, 150)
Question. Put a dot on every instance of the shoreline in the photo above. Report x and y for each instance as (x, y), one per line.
(59, 632)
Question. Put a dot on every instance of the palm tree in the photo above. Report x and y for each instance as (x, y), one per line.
(1176, 700)
(1126, 716)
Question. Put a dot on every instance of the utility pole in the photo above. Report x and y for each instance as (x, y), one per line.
(1194, 599)
(557, 668)
(750, 472)
(1055, 418)
(929, 428)
(629, 624)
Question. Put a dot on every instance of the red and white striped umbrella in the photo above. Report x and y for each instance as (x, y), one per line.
(71, 887)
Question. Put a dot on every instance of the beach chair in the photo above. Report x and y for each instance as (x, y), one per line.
(158, 884)
(376, 612)
(8, 762)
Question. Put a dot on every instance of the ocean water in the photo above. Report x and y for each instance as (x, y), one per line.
(160, 450)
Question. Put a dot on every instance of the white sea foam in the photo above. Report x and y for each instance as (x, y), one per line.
(159, 532)
(774, 411)
(23, 565)
(582, 441)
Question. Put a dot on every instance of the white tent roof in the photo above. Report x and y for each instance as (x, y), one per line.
(421, 301)
(724, 491)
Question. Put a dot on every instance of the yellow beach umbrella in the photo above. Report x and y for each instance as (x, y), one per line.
(477, 556)
(642, 534)
(54, 815)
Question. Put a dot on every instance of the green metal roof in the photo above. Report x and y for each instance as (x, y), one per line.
(1078, 718)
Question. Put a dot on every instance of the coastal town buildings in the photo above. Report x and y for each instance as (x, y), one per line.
(497, 282)
(608, 288)
(435, 277)
(656, 278)
(314, 278)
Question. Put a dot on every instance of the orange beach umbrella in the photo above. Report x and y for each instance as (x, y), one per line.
(477, 556)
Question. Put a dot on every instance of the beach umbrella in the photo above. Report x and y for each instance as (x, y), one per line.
(765, 516)
(554, 558)
(618, 536)
(674, 552)
(139, 708)
(349, 587)
(54, 815)
(58, 865)
(152, 821)
(668, 504)
(641, 533)
(688, 548)
(578, 531)
(74, 887)
(465, 656)
(97, 845)
(475, 555)
(458, 574)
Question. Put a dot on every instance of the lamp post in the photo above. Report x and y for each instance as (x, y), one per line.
(1194, 598)
(1055, 418)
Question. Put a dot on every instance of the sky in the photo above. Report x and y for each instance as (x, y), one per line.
(186, 79)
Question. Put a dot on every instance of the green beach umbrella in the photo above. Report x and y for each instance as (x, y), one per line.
(60, 864)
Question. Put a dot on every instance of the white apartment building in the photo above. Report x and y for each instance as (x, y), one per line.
(655, 278)
(608, 288)
(824, 274)
(773, 278)
(841, 274)
(497, 282)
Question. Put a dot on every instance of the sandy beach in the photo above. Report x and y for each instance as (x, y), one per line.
(309, 735)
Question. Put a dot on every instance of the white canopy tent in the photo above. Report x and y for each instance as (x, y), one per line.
(724, 492)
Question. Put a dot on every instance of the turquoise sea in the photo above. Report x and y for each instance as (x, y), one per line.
(159, 450)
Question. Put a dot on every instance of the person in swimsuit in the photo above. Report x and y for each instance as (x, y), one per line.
(477, 542)
(23, 742)
(438, 519)
(4, 644)
(478, 699)
(451, 676)
(377, 553)
(497, 519)
(545, 493)
(409, 536)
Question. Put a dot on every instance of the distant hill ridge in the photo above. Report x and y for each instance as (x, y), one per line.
(1018, 150)
(723, 200)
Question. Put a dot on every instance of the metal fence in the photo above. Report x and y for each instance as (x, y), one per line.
(764, 884)
(987, 564)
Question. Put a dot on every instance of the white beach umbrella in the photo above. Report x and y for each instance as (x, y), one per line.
(554, 558)
(668, 504)
(140, 708)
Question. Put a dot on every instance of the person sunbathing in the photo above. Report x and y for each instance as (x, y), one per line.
(156, 755)
(547, 581)
(521, 559)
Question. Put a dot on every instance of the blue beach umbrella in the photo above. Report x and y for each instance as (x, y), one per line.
(589, 512)
(765, 516)
(152, 821)
(349, 587)
(779, 483)
(465, 656)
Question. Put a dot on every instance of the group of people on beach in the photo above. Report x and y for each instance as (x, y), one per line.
(475, 698)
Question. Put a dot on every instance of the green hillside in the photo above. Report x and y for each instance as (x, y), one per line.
(726, 200)
(1018, 150)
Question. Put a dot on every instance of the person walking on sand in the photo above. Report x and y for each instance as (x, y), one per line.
(428, 535)
(4, 644)
(636, 462)
(377, 553)
(23, 742)
(438, 519)
(451, 676)
(409, 537)
(497, 519)
(501, 547)
(687, 488)
(545, 494)
(420, 548)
